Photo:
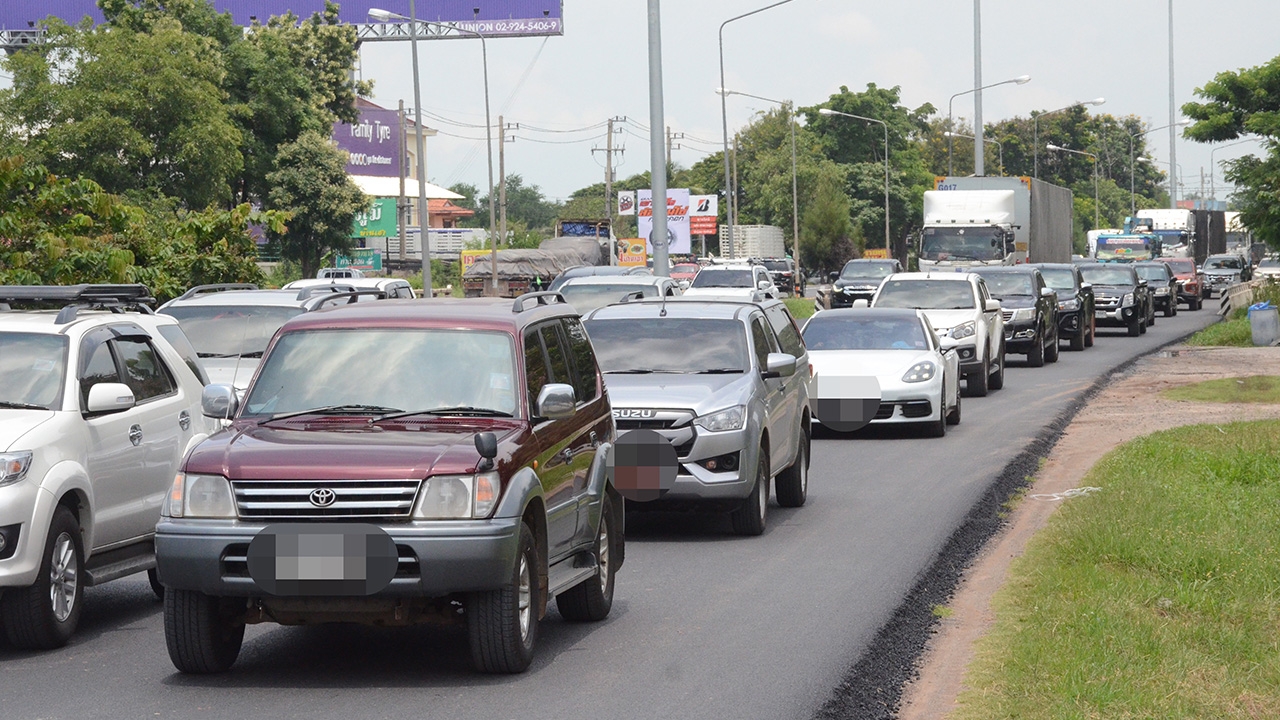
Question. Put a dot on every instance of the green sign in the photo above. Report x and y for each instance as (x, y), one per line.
(377, 221)
(361, 259)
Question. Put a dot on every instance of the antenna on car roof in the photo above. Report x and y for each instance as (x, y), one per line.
(663, 310)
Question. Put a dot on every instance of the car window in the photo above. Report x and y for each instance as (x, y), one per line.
(584, 360)
(865, 333)
(761, 342)
(535, 367)
(101, 368)
(557, 358)
(34, 367)
(178, 340)
(785, 327)
(144, 372)
(926, 294)
(664, 345)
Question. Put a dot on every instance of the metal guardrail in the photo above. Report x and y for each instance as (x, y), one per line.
(1236, 297)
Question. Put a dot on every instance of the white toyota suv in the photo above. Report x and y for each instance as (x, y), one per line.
(100, 402)
(736, 280)
(964, 315)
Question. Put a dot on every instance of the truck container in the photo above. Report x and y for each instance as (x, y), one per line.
(1175, 228)
(995, 221)
(1210, 234)
(753, 241)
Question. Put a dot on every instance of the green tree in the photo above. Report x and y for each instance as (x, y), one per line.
(1236, 104)
(525, 204)
(311, 184)
(828, 237)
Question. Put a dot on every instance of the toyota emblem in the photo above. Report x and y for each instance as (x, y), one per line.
(323, 497)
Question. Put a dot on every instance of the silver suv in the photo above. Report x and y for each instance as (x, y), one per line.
(726, 383)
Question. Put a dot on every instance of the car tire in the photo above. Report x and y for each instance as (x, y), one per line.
(591, 599)
(750, 517)
(1196, 304)
(1143, 325)
(202, 632)
(1053, 350)
(953, 413)
(1035, 356)
(1080, 339)
(1172, 309)
(44, 615)
(153, 578)
(996, 379)
(977, 383)
(792, 485)
(1137, 326)
(1093, 331)
(502, 633)
(938, 428)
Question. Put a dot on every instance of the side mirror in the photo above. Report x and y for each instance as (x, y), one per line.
(861, 303)
(779, 365)
(110, 398)
(1086, 286)
(556, 401)
(1142, 283)
(1047, 292)
(219, 401)
(763, 285)
(487, 446)
(992, 305)
(684, 285)
(833, 276)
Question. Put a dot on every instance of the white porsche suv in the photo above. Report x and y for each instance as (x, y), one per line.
(100, 402)
(964, 315)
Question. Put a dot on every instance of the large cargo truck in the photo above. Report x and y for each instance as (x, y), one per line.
(1211, 234)
(1175, 228)
(994, 221)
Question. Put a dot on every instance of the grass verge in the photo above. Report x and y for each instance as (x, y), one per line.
(800, 308)
(1252, 389)
(1157, 597)
(1235, 331)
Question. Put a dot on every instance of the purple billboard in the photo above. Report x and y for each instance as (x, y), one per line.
(372, 143)
(490, 17)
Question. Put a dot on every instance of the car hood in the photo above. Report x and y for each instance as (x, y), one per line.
(699, 393)
(1221, 271)
(230, 371)
(15, 424)
(946, 319)
(886, 365)
(858, 282)
(347, 449)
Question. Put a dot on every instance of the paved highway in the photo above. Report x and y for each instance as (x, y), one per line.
(705, 624)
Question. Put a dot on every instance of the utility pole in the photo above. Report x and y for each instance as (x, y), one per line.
(979, 131)
(668, 146)
(733, 202)
(608, 151)
(502, 180)
(402, 203)
(1173, 127)
(658, 240)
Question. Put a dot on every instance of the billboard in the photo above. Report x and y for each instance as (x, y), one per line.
(378, 220)
(372, 143)
(678, 237)
(704, 212)
(490, 17)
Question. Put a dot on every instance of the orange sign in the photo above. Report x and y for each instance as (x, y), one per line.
(877, 253)
(632, 252)
(469, 257)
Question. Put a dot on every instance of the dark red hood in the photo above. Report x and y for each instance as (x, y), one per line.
(346, 449)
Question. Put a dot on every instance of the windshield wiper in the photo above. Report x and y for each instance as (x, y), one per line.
(721, 371)
(459, 410)
(336, 410)
(10, 405)
(224, 356)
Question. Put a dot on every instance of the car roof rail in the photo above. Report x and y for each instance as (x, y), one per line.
(350, 296)
(74, 298)
(545, 297)
(307, 293)
(632, 296)
(217, 287)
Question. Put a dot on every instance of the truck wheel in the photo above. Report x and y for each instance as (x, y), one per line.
(204, 633)
(44, 615)
(792, 484)
(503, 624)
(749, 519)
(1035, 356)
(591, 599)
(996, 380)
(976, 383)
(1137, 326)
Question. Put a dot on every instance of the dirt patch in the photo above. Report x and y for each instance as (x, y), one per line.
(1104, 423)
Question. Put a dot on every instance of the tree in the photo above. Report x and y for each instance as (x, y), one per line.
(828, 237)
(311, 184)
(525, 204)
(1242, 103)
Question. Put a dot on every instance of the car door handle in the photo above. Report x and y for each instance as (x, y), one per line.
(135, 435)
(184, 420)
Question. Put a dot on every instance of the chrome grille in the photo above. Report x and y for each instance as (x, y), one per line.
(291, 499)
(1106, 303)
(1007, 315)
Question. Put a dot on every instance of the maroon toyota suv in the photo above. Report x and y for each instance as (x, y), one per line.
(396, 463)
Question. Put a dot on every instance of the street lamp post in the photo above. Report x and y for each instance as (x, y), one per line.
(1035, 129)
(1095, 177)
(795, 194)
(1133, 193)
(1213, 191)
(1020, 80)
(999, 145)
(828, 111)
(423, 218)
(724, 120)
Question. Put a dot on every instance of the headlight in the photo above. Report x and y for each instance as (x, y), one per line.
(14, 466)
(920, 372)
(1127, 299)
(964, 330)
(1069, 305)
(1022, 314)
(728, 419)
(1162, 291)
(199, 496)
(458, 497)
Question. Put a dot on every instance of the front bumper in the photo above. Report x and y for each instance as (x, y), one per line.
(846, 298)
(1071, 322)
(1020, 337)
(694, 448)
(437, 558)
(1120, 316)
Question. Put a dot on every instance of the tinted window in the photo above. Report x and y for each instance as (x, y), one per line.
(586, 297)
(779, 265)
(584, 360)
(1157, 273)
(715, 277)
(144, 371)
(1182, 266)
(761, 342)
(34, 367)
(178, 340)
(926, 294)
(231, 331)
(101, 368)
(862, 269)
(865, 333)
(1107, 275)
(557, 358)
(785, 327)
(1009, 284)
(1059, 278)
(535, 367)
(669, 345)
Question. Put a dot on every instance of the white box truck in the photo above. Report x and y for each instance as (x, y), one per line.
(1175, 228)
(994, 221)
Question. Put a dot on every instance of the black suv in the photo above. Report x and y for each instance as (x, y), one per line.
(1123, 298)
(1030, 309)
(783, 273)
(1163, 284)
(1075, 303)
(460, 479)
(858, 280)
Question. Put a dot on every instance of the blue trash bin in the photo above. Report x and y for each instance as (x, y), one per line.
(1264, 322)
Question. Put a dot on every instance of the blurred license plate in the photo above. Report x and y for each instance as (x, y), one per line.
(322, 559)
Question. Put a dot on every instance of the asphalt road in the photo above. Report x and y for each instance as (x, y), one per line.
(705, 624)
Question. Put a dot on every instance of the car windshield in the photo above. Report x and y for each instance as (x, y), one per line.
(1182, 266)
(392, 369)
(1224, 263)
(926, 295)
(1008, 283)
(1269, 263)
(856, 269)
(669, 345)
(1153, 273)
(232, 330)
(1058, 278)
(779, 265)
(34, 368)
(1104, 275)
(864, 333)
(688, 268)
(961, 243)
(723, 278)
(586, 297)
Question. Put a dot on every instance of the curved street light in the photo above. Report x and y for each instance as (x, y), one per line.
(1020, 80)
(1035, 122)
(999, 145)
(829, 112)
(1051, 146)
(1133, 194)
(1213, 191)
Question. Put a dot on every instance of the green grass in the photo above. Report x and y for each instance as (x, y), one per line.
(1158, 597)
(800, 308)
(1252, 389)
(1236, 331)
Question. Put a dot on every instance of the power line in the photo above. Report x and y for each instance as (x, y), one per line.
(560, 142)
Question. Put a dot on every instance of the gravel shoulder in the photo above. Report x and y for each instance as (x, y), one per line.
(1106, 422)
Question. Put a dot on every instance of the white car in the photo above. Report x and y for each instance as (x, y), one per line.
(99, 405)
(738, 280)
(590, 293)
(964, 315)
(1269, 269)
(919, 379)
(391, 287)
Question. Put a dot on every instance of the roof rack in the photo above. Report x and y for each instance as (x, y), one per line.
(544, 298)
(632, 296)
(219, 287)
(73, 298)
(351, 296)
(307, 292)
